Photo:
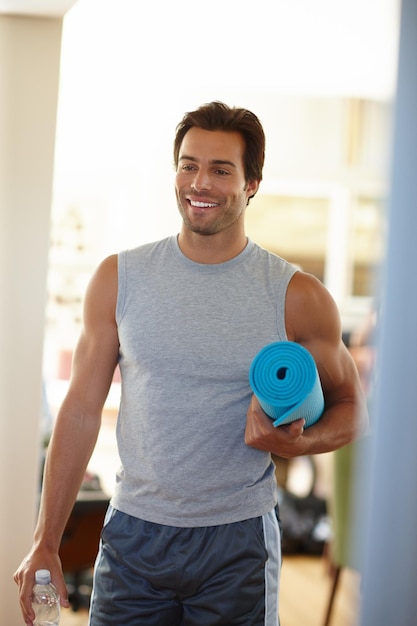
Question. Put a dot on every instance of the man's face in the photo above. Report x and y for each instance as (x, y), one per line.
(210, 184)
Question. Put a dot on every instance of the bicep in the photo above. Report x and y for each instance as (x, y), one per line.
(97, 350)
(313, 320)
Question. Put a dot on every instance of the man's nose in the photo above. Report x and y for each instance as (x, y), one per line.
(201, 180)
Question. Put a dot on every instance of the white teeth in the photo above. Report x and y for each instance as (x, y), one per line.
(202, 205)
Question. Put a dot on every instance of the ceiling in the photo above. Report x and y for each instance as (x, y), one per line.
(44, 8)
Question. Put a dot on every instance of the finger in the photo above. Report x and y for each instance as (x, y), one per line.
(25, 596)
(26, 602)
(63, 595)
(295, 429)
(26, 608)
(59, 582)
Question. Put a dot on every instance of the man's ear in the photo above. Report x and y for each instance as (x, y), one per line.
(252, 187)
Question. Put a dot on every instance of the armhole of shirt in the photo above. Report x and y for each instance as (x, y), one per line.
(121, 286)
(282, 299)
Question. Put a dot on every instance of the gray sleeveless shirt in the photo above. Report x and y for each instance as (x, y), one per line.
(188, 333)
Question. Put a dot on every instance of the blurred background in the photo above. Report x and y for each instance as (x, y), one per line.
(320, 76)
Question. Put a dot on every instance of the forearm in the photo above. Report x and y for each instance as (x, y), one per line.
(70, 449)
(338, 426)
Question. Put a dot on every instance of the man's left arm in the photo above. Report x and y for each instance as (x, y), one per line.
(312, 319)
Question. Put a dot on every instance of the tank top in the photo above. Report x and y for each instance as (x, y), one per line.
(188, 333)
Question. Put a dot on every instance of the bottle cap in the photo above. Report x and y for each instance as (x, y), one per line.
(42, 576)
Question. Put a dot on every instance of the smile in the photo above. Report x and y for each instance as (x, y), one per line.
(203, 205)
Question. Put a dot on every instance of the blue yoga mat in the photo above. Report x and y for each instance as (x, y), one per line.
(284, 378)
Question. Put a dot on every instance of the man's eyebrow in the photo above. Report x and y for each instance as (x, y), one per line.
(223, 162)
(185, 157)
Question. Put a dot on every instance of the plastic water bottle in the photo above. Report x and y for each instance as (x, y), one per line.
(45, 600)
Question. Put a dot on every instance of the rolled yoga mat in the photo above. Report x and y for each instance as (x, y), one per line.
(284, 378)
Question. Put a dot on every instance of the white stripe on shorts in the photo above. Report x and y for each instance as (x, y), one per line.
(272, 567)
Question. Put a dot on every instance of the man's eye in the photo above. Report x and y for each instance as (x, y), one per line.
(188, 168)
(222, 172)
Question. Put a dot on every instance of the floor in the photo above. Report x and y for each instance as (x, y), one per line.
(305, 587)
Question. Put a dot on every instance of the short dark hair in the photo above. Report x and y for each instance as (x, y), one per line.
(219, 116)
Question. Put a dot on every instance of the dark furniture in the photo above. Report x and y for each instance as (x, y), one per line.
(80, 542)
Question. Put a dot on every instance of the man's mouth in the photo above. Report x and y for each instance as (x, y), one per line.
(203, 205)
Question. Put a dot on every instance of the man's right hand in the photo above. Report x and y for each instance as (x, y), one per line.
(24, 577)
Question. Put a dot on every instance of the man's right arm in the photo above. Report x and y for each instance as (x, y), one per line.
(75, 432)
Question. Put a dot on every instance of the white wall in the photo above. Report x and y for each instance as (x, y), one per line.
(29, 70)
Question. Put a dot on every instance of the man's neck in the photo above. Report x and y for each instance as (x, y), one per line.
(210, 249)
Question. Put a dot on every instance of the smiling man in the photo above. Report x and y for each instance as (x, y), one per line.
(192, 537)
(212, 193)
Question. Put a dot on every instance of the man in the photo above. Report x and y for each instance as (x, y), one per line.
(191, 537)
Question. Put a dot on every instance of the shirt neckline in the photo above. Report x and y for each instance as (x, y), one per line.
(234, 261)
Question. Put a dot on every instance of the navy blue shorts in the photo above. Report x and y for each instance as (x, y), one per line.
(159, 575)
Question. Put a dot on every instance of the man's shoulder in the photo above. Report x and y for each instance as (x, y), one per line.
(148, 248)
(272, 258)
